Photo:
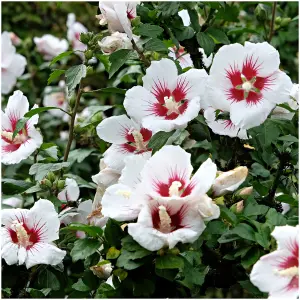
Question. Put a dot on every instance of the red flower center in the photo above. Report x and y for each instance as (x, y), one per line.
(246, 85)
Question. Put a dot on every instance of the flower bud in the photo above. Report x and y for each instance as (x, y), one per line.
(89, 69)
(229, 181)
(237, 207)
(46, 182)
(174, 251)
(261, 12)
(61, 184)
(51, 176)
(246, 191)
(15, 39)
(278, 20)
(85, 37)
(114, 42)
(88, 54)
(102, 270)
(285, 22)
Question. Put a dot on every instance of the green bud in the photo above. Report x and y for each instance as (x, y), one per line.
(61, 184)
(278, 20)
(161, 252)
(285, 22)
(72, 101)
(174, 251)
(85, 37)
(237, 207)
(261, 12)
(46, 182)
(51, 176)
(136, 21)
(89, 70)
(88, 54)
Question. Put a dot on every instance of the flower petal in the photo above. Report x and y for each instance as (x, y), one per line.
(10, 253)
(70, 192)
(17, 106)
(287, 237)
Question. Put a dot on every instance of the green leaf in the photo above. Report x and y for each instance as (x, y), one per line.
(105, 291)
(12, 186)
(112, 253)
(74, 76)
(79, 155)
(248, 286)
(156, 45)
(118, 59)
(113, 233)
(34, 189)
(275, 218)
(259, 170)
(49, 150)
(205, 42)
(104, 59)
(109, 90)
(38, 110)
(81, 286)
(242, 230)
(47, 279)
(169, 262)
(149, 30)
(178, 137)
(167, 9)
(159, 139)
(254, 209)
(93, 231)
(218, 35)
(184, 33)
(228, 13)
(288, 138)
(286, 199)
(251, 257)
(125, 261)
(194, 19)
(228, 215)
(60, 56)
(84, 248)
(143, 288)
(19, 126)
(55, 74)
(40, 170)
(263, 235)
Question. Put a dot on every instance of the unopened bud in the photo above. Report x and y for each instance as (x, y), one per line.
(285, 22)
(246, 191)
(278, 20)
(161, 252)
(85, 37)
(88, 54)
(89, 70)
(261, 12)
(72, 101)
(46, 182)
(237, 207)
(174, 251)
(51, 176)
(61, 184)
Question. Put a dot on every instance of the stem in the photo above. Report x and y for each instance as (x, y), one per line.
(140, 53)
(71, 129)
(35, 161)
(276, 180)
(272, 22)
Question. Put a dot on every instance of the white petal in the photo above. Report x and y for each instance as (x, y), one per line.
(121, 11)
(162, 73)
(263, 274)
(207, 208)
(203, 178)
(13, 202)
(265, 56)
(206, 60)
(22, 254)
(115, 129)
(17, 105)
(106, 177)
(169, 163)
(185, 61)
(286, 208)
(85, 208)
(131, 173)
(247, 116)
(282, 114)
(10, 253)
(7, 50)
(18, 65)
(44, 217)
(287, 237)
(184, 15)
(10, 215)
(43, 253)
(70, 192)
(138, 103)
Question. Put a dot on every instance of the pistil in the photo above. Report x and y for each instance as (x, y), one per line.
(174, 188)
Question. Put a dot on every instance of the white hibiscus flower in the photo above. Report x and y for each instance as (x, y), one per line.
(184, 58)
(28, 235)
(166, 101)
(27, 140)
(12, 64)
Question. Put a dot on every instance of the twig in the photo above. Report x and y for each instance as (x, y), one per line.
(140, 53)
(276, 180)
(272, 22)
(71, 129)
(35, 161)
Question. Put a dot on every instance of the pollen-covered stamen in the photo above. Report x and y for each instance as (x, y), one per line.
(247, 86)
(174, 188)
(125, 194)
(138, 140)
(289, 272)
(22, 235)
(18, 139)
(171, 105)
(165, 220)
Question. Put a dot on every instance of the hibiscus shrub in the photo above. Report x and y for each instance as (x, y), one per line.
(190, 110)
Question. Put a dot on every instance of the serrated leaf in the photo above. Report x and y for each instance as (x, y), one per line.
(169, 262)
(159, 139)
(167, 9)
(74, 76)
(149, 30)
(84, 248)
(205, 42)
(118, 59)
(56, 73)
(218, 35)
(60, 56)
(40, 170)
(156, 45)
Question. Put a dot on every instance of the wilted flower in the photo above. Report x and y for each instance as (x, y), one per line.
(166, 101)
(277, 273)
(248, 78)
(74, 31)
(184, 58)
(118, 15)
(70, 192)
(28, 235)
(12, 64)
(50, 46)
(102, 270)
(127, 138)
(114, 42)
(229, 181)
(27, 140)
